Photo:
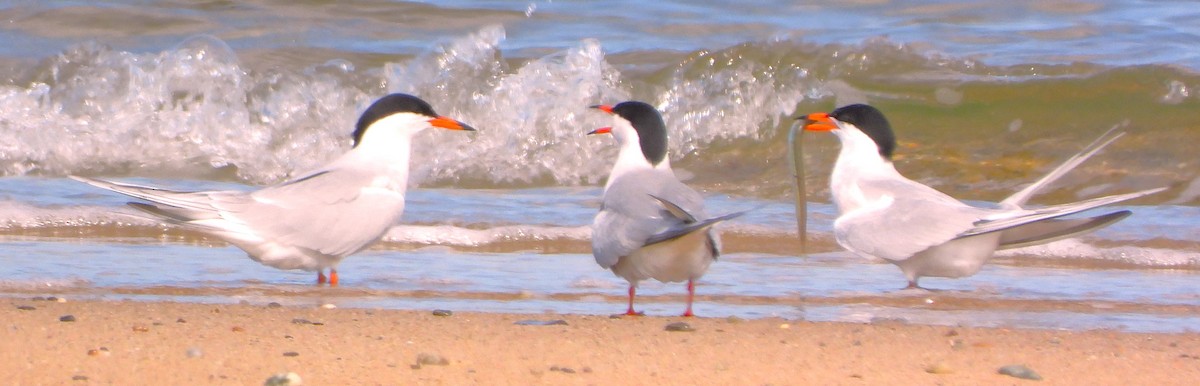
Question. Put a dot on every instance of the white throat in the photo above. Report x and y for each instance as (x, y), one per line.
(859, 160)
(384, 150)
(630, 157)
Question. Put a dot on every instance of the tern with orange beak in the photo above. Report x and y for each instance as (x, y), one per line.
(650, 225)
(312, 222)
(925, 232)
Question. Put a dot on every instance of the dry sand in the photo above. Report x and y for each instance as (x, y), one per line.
(127, 343)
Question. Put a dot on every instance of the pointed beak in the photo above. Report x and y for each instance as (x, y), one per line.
(818, 122)
(450, 124)
(604, 108)
(602, 130)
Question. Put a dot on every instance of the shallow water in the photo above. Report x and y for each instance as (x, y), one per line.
(984, 97)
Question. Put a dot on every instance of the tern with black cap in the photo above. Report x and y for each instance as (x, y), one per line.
(925, 232)
(314, 221)
(650, 225)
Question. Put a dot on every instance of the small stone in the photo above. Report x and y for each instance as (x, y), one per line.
(431, 359)
(67, 318)
(180, 320)
(531, 322)
(291, 354)
(939, 368)
(300, 321)
(284, 379)
(679, 327)
(328, 306)
(57, 300)
(194, 353)
(38, 299)
(237, 329)
(442, 313)
(784, 326)
(587, 370)
(1019, 371)
(79, 378)
(274, 305)
(102, 351)
(952, 332)
(26, 308)
(141, 328)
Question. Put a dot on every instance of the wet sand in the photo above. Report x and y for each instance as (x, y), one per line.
(125, 342)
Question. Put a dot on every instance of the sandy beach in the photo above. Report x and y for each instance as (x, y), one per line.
(126, 342)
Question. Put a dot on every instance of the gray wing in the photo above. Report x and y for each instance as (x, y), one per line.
(333, 212)
(330, 212)
(630, 214)
(1018, 199)
(1054, 211)
(907, 218)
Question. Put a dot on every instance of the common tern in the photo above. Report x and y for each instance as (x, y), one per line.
(924, 231)
(312, 222)
(650, 224)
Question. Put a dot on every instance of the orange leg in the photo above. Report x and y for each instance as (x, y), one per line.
(630, 311)
(320, 277)
(691, 295)
(333, 277)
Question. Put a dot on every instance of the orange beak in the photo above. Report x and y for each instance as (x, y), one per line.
(450, 124)
(602, 130)
(819, 122)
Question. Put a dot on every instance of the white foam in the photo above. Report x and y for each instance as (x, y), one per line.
(1078, 249)
(459, 236)
(195, 110)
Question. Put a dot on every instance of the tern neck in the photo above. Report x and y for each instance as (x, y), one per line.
(858, 161)
(630, 158)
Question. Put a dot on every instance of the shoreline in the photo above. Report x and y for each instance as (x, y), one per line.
(129, 342)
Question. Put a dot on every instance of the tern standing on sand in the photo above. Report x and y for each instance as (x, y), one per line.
(650, 225)
(926, 232)
(312, 222)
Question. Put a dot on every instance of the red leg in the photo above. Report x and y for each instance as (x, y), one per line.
(691, 295)
(333, 277)
(320, 277)
(630, 312)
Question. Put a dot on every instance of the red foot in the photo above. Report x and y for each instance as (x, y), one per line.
(333, 280)
(320, 277)
(691, 287)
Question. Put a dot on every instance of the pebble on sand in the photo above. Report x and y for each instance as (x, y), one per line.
(679, 327)
(566, 370)
(427, 359)
(533, 322)
(26, 308)
(291, 354)
(67, 318)
(274, 305)
(442, 313)
(1019, 371)
(939, 368)
(284, 379)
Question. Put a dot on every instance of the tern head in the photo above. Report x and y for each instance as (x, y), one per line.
(401, 114)
(856, 118)
(639, 122)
